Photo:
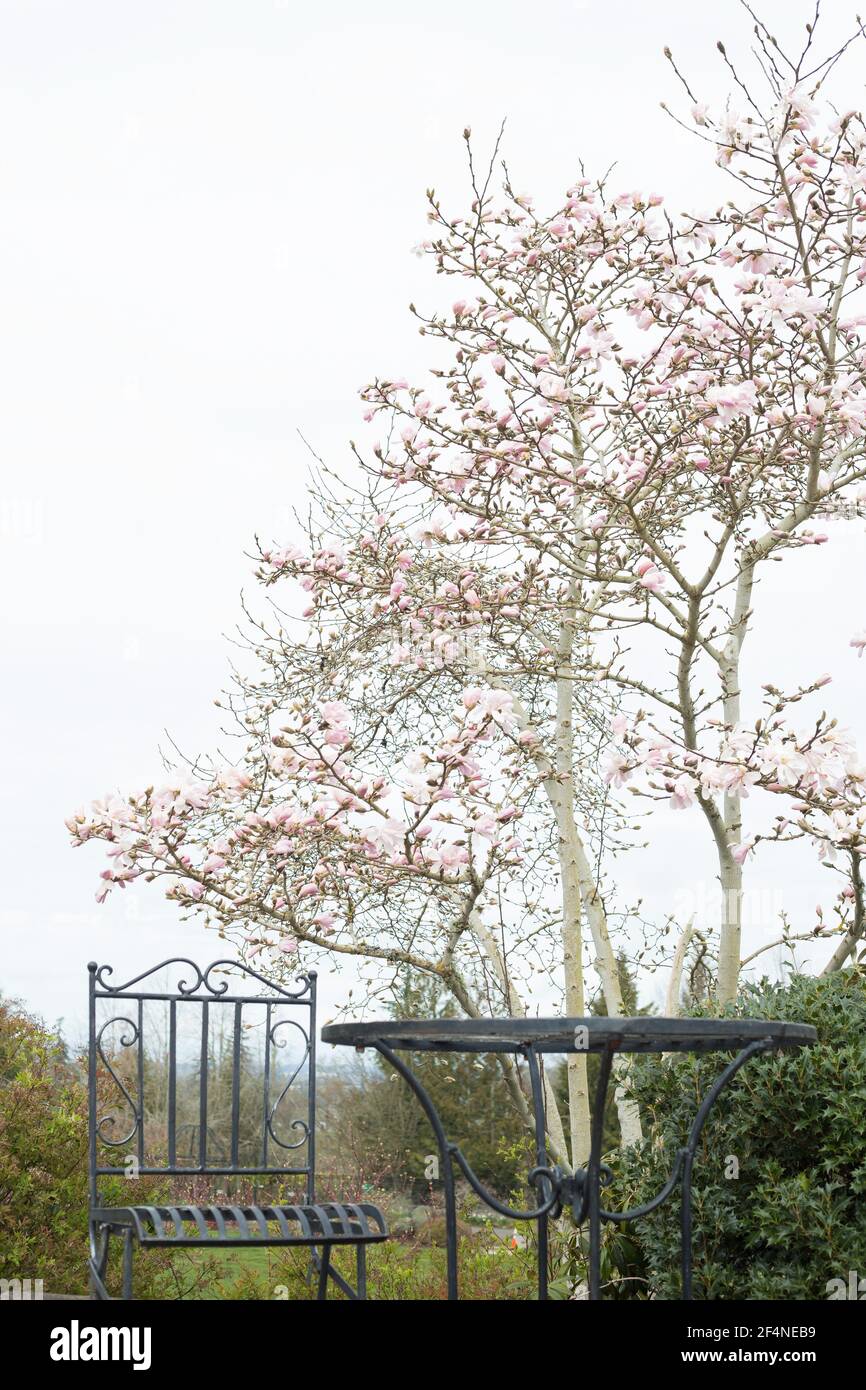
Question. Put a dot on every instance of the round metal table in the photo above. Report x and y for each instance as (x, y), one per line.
(528, 1038)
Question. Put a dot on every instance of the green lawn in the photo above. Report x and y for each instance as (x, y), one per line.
(397, 1270)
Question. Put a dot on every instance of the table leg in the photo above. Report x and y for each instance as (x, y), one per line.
(681, 1172)
(547, 1179)
(445, 1150)
(593, 1172)
(541, 1160)
(580, 1190)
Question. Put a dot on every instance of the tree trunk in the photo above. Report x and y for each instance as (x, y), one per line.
(580, 888)
(574, 864)
(730, 872)
(848, 944)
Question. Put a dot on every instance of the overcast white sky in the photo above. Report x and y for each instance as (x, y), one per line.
(208, 210)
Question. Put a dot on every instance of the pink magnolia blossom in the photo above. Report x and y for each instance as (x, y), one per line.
(682, 794)
(732, 401)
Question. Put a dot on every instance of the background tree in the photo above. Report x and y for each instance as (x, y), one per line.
(44, 1200)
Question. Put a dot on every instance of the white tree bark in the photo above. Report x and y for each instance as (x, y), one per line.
(573, 858)
(675, 979)
(730, 872)
(572, 941)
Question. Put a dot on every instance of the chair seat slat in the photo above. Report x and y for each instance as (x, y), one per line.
(331, 1222)
(219, 1219)
(259, 1217)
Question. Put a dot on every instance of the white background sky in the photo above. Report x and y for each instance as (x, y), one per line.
(208, 210)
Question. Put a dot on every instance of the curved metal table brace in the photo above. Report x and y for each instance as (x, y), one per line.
(529, 1038)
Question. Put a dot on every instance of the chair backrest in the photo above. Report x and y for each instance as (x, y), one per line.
(176, 1062)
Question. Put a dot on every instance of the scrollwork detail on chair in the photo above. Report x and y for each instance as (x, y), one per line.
(296, 1124)
(126, 1040)
(202, 979)
(281, 991)
(182, 986)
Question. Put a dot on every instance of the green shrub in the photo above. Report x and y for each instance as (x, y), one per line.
(795, 1217)
(43, 1173)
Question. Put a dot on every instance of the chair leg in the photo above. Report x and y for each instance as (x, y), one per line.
(361, 1253)
(128, 1249)
(324, 1269)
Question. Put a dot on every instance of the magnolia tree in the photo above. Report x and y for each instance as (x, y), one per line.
(658, 408)
(631, 414)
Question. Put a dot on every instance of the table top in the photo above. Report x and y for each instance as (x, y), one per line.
(563, 1035)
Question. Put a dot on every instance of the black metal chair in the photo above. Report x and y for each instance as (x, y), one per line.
(241, 1155)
